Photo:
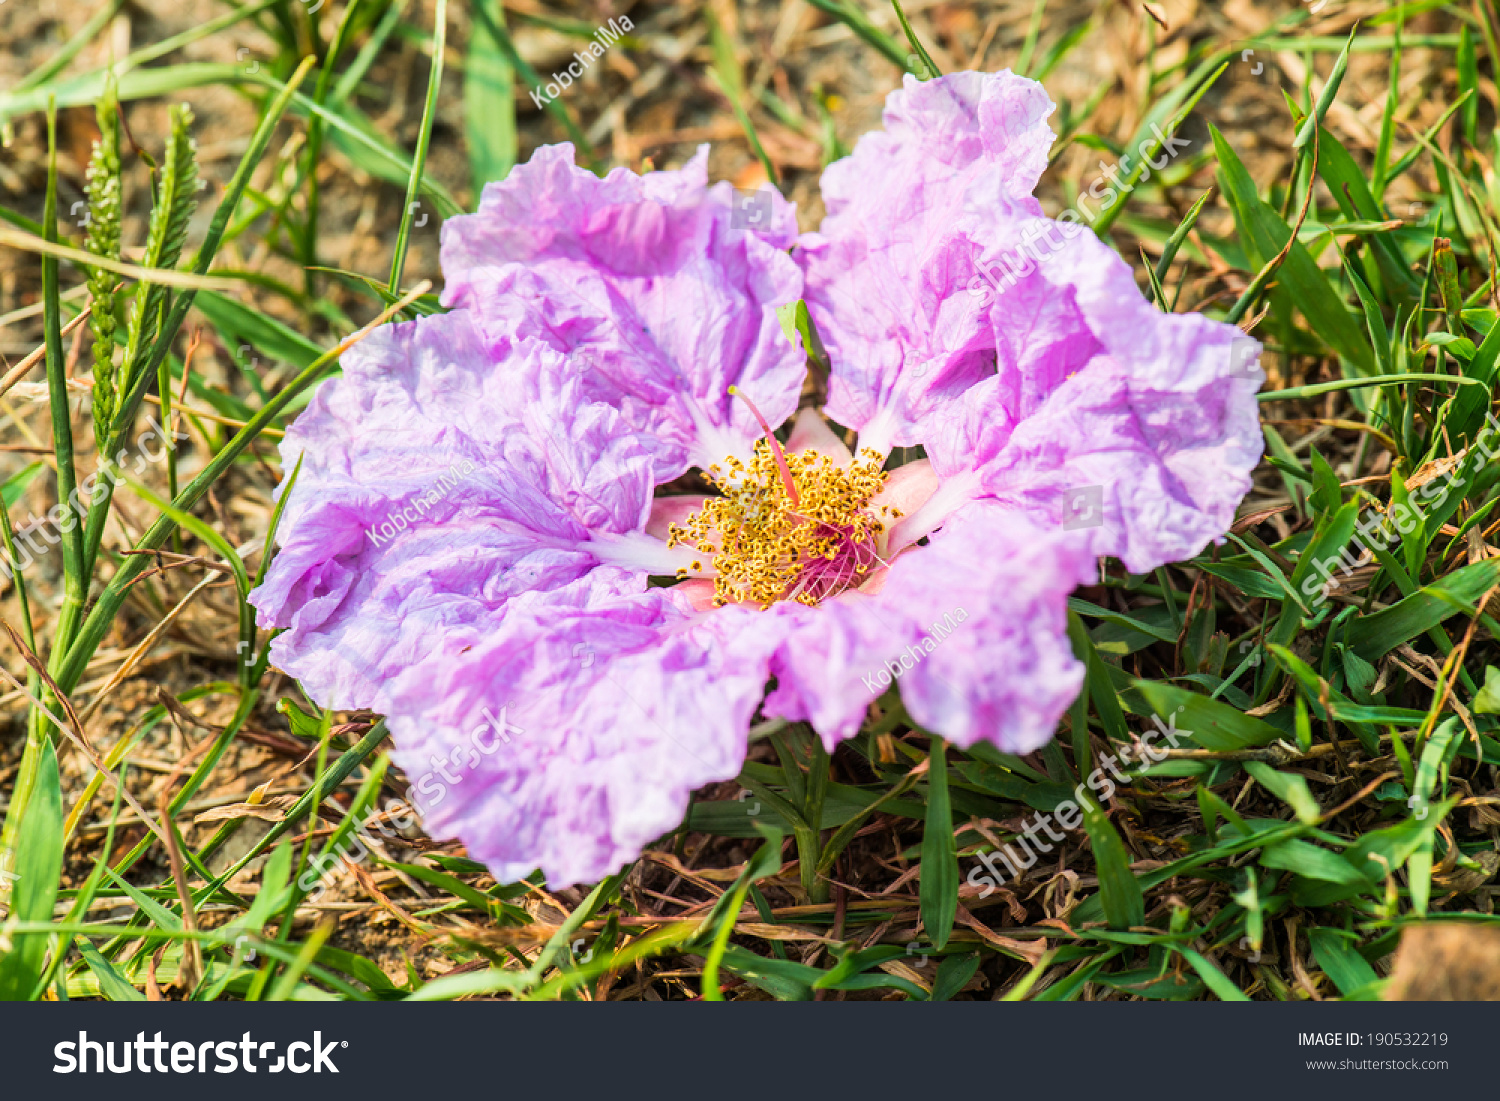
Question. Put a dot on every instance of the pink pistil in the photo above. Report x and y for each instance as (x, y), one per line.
(786, 471)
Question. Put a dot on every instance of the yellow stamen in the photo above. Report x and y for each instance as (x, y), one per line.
(788, 527)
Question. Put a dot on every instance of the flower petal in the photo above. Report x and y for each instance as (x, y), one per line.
(1134, 429)
(432, 492)
(888, 273)
(1007, 673)
(659, 291)
(972, 626)
(614, 717)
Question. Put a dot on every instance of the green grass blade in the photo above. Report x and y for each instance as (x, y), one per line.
(1374, 636)
(1326, 97)
(489, 102)
(113, 985)
(1317, 388)
(554, 107)
(1381, 176)
(1033, 33)
(1165, 116)
(1119, 890)
(424, 139)
(933, 72)
(1179, 235)
(939, 875)
(856, 20)
(726, 73)
(1347, 968)
(34, 890)
(1209, 723)
(60, 60)
(76, 576)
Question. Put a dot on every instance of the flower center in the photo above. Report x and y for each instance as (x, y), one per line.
(788, 527)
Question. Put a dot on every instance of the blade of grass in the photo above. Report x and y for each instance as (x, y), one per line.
(161, 277)
(554, 107)
(1167, 115)
(1119, 890)
(489, 102)
(939, 874)
(424, 139)
(315, 150)
(38, 868)
(856, 20)
(726, 73)
(1179, 235)
(1033, 32)
(1379, 176)
(368, 53)
(286, 985)
(766, 861)
(1316, 388)
(933, 72)
(75, 579)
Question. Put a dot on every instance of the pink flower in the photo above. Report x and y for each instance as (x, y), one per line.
(580, 633)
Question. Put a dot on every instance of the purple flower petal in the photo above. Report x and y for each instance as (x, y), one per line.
(658, 297)
(1103, 402)
(888, 273)
(613, 716)
(435, 489)
(973, 627)
(1007, 673)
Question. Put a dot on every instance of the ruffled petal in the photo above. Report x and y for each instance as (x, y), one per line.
(659, 289)
(611, 718)
(887, 275)
(432, 492)
(1006, 673)
(973, 627)
(1135, 430)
